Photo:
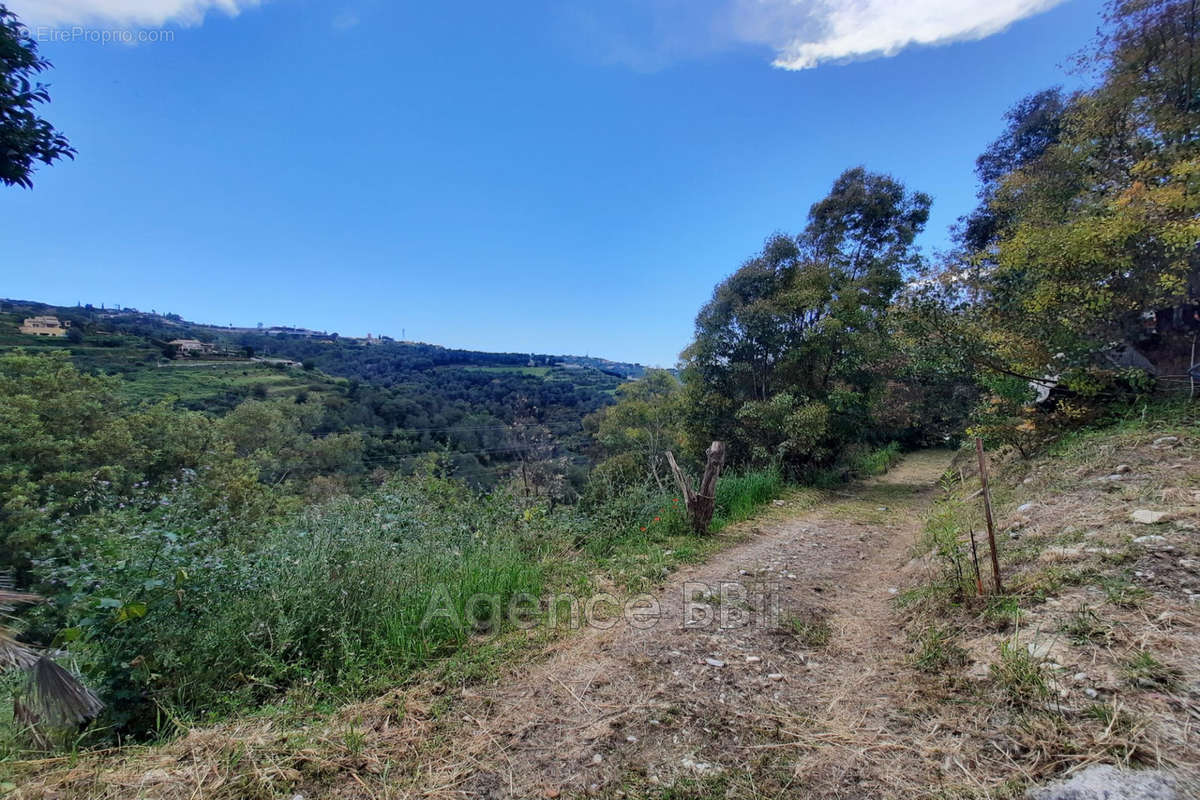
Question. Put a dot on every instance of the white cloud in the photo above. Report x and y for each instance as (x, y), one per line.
(836, 31)
(131, 13)
(649, 34)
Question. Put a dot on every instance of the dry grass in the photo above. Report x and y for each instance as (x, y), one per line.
(1095, 652)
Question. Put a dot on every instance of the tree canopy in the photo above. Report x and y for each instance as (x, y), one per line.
(25, 137)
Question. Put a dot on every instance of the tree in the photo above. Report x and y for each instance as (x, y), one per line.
(644, 423)
(1101, 228)
(1087, 230)
(788, 349)
(25, 138)
(1034, 126)
(541, 472)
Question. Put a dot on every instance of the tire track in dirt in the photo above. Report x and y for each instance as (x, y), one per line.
(795, 699)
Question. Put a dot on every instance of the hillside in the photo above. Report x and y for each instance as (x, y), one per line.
(277, 562)
(406, 398)
(856, 664)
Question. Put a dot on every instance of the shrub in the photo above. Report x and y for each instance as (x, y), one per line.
(877, 461)
(168, 612)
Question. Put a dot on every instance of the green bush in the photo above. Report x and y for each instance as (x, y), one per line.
(877, 461)
(166, 612)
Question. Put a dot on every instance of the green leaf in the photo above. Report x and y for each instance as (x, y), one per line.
(70, 634)
(131, 611)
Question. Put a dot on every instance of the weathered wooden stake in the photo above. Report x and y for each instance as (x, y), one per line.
(987, 510)
(701, 502)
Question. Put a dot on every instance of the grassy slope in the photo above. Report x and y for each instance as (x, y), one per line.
(196, 383)
(1093, 653)
(219, 384)
(193, 383)
(249, 746)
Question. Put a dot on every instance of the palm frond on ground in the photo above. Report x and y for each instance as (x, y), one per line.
(54, 696)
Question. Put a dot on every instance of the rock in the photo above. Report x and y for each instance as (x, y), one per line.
(1150, 540)
(881, 508)
(1145, 516)
(1079, 677)
(1103, 782)
(779, 503)
(1123, 469)
(776, 676)
(1092, 693)
(1039, 651)
(1166, 441)
(714, 662)
(631, 739)
(1021, 509)
(597, 759)
(701, 767)
(753, 659)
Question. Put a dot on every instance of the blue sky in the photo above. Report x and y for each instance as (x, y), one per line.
(534, 176)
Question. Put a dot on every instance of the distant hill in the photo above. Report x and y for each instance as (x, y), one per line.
(406, 398)
(285, 340)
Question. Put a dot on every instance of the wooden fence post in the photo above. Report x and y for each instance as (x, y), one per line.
(987, 510)
(701, 502)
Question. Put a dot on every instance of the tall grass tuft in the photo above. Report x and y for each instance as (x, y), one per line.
(877, 461)
(739, 494)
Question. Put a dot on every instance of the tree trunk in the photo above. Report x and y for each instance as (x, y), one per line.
(701, 502)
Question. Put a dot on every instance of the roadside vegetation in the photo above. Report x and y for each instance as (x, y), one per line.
(1090, 653)
(268, 541)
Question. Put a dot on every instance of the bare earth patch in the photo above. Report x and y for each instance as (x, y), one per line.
(795, 698)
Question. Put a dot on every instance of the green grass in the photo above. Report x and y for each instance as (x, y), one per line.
(351, 597)
(535, 372)
(810, 630)
(1121, 592)
(937, 650)
(201, 384)
(1084, 626)
(1142, 670)
(1019, 676)
(876, 462)
(740, 494)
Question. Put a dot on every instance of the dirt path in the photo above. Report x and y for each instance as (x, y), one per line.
(790, 684)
